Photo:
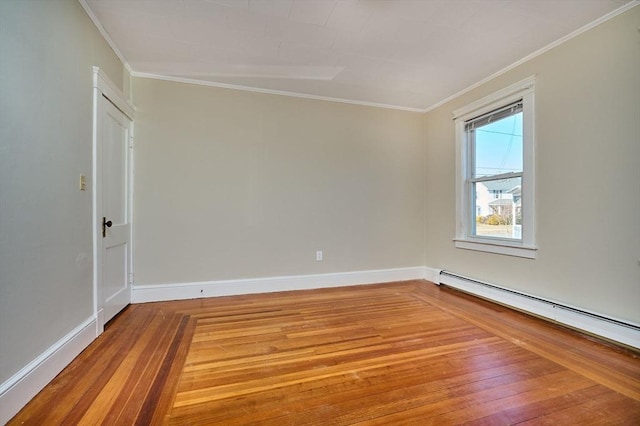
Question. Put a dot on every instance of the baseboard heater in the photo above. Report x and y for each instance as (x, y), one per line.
(610, 328)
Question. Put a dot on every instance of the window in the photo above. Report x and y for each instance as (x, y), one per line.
(495, 172)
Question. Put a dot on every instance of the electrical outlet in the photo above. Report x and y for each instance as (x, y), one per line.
(319, 255)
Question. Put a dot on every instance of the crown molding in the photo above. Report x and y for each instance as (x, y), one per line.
(562, 40)
(539, 52)
(105, 35)
(271, 91)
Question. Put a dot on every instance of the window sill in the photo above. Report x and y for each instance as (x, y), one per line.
(498, 247)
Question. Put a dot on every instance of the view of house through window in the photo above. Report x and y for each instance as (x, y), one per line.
(496, 144)
(495, 182)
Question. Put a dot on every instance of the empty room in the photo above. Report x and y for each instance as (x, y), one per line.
(319, 212)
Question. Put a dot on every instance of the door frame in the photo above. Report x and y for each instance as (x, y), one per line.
(103, 87)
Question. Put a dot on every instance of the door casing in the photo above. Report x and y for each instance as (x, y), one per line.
(103, 88)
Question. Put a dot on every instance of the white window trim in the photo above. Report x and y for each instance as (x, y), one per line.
(522, 248)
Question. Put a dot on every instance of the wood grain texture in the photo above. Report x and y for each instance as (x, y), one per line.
(395, 353)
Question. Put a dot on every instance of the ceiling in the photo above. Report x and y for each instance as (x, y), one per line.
(408, 54)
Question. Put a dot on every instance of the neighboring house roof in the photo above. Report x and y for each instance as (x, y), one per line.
(502, 184)
(501, 202)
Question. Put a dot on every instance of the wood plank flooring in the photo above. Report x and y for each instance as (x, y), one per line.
(396, 353)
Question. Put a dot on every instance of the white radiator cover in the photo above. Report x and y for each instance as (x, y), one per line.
(595, 323)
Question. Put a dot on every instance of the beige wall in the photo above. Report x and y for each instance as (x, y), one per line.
(587, 176)
(47, 49)
(233, 184)
(236, 185)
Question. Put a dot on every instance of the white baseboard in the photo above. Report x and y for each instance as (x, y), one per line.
(432, 274)
(18, 390)
(595, 323)
(26, 383)
(156, 293)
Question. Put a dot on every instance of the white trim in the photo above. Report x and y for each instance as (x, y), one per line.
(16, 392)
(110, 91)
(432, 274)
(498, 247)
(527, 58)
(525, 90)
(194, 290)
(104, 34)
(494, 100)
(272, 92)
(591, 322)
(538, 52)
(96, 202)
(104, 87)
(130, 204)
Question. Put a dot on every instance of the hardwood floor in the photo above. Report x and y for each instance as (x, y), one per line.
(397, 353)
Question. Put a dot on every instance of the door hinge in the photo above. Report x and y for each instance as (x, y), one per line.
(131, 278)
(131, 142)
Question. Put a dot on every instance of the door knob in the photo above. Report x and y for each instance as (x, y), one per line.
(105, 224)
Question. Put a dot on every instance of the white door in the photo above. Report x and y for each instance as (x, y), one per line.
(114, 137)
(112, 212)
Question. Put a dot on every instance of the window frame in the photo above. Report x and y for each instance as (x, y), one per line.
(465, 204)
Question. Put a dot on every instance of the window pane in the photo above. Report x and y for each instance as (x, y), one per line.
(498, 147)
(498, 208)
